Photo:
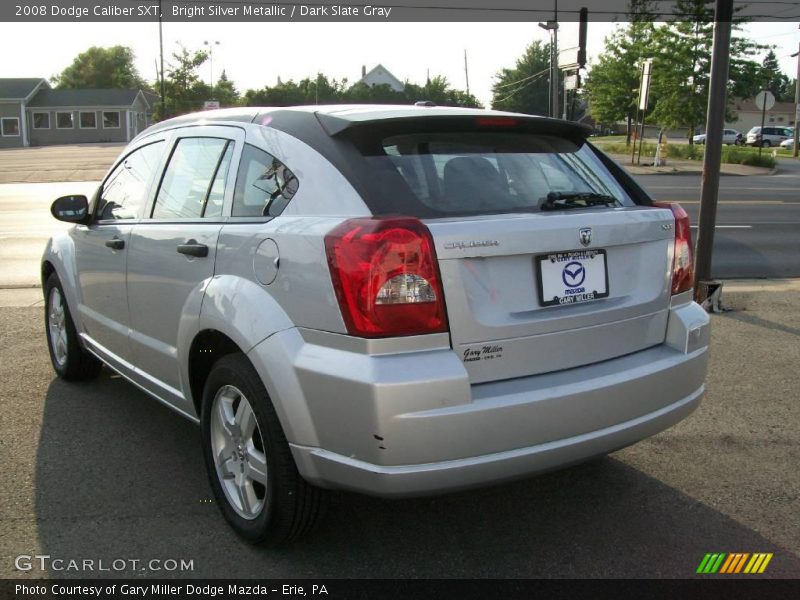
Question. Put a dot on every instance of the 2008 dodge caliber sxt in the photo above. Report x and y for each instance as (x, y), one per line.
(393, 300)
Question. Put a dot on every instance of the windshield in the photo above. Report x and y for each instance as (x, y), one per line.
(486, 172)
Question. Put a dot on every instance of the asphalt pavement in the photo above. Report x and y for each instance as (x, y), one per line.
(758, 219)
(100, 471)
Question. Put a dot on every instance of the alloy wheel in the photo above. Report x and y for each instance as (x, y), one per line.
(57, 326)
(238, 451)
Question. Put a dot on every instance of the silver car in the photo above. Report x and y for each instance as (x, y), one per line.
(729, 137)
(397, 301)
(770, 136)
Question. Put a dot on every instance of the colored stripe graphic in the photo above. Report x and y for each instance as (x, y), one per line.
(711, 563)
(758, 563)
(724, 563)
(735, 562)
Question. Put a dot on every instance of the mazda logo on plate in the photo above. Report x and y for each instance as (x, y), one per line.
(573, 274)
(585, 235)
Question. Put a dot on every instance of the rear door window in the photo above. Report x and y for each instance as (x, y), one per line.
(264, 185)
(194, 181)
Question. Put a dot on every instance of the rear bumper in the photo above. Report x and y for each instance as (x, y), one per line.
(418, 480)
(393, 420)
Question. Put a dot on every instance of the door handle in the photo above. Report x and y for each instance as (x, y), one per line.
(192, 248)
(115, 243)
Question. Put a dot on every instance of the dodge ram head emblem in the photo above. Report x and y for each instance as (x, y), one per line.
(585, 235)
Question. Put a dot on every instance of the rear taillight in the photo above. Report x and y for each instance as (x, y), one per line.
(386, 277)
(683, 263)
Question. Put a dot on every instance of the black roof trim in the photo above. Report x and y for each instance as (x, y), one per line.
(336, 125)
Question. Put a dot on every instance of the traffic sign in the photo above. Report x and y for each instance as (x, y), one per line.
(765, 100)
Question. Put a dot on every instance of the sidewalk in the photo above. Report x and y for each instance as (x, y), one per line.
(737, 294)
(682, 167)
(45, 164)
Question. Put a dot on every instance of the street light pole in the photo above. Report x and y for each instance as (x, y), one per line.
(715, 122)
(552, 27)
(211, 60)
(554, 63)
(797, 103)
(161, 53)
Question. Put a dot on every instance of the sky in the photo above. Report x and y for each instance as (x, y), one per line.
(256, 54)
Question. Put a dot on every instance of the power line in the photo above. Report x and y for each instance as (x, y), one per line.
(524, 79)
(519, 89)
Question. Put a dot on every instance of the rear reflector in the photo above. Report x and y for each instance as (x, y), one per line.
(683, 261)
(386, 277)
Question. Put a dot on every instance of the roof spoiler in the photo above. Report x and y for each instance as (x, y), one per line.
(335, 126)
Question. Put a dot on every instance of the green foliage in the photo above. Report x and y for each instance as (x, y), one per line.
(683, 64)
(773, 79)
(730, 154)
(681, 50)
(612, 87)
(225, 92)
(101, 68)
(322, 90)
(526, 87)
(185, 90)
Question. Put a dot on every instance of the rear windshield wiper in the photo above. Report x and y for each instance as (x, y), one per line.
(565, 200)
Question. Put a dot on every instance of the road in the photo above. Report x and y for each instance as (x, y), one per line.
(26, 225)
(758, 232)
(758, 219)
(98, 470)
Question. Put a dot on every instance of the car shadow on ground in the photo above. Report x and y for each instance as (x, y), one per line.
(118, 476)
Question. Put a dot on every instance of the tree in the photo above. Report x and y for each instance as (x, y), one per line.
(185, 91)
(225, 91)
(773, 79)
(321, 90)
(101, 68)
(683, 63)
(525, 88)
(612, 87)
(438, 90)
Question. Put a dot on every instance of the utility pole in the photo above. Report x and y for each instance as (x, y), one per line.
(552, 27)
(554, 62)
(161, 52)
(797, 103)
(715, 122)
(466, 70)
(211, 61)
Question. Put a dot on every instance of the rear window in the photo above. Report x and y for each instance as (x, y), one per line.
(462, 173)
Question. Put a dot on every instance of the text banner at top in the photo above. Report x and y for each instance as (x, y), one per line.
(361, 11)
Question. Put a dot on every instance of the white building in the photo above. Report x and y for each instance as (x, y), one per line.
(380, 75)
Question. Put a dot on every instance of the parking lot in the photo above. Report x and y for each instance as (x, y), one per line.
(100, 471)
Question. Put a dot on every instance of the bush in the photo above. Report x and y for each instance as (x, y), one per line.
(738, 155)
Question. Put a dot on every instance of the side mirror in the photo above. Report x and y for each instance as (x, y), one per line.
(72, 209)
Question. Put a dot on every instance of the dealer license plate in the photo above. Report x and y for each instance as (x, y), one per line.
(572, 277)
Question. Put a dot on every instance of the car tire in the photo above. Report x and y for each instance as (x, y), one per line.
(251, 471)
(70, 360)
(766, 144)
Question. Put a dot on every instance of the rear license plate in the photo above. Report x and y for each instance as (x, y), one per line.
(572, 277)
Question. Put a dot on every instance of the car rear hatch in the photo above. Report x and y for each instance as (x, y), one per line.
(505, 278)
(547, 262)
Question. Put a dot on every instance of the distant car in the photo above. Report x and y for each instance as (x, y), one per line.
(771, 136)
(396, 300)
(729, 136)
(788, 143)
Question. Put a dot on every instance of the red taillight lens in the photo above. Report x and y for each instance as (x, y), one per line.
(683, 263)
(386, 277)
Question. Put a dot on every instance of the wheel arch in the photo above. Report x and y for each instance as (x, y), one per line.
(227, 314)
